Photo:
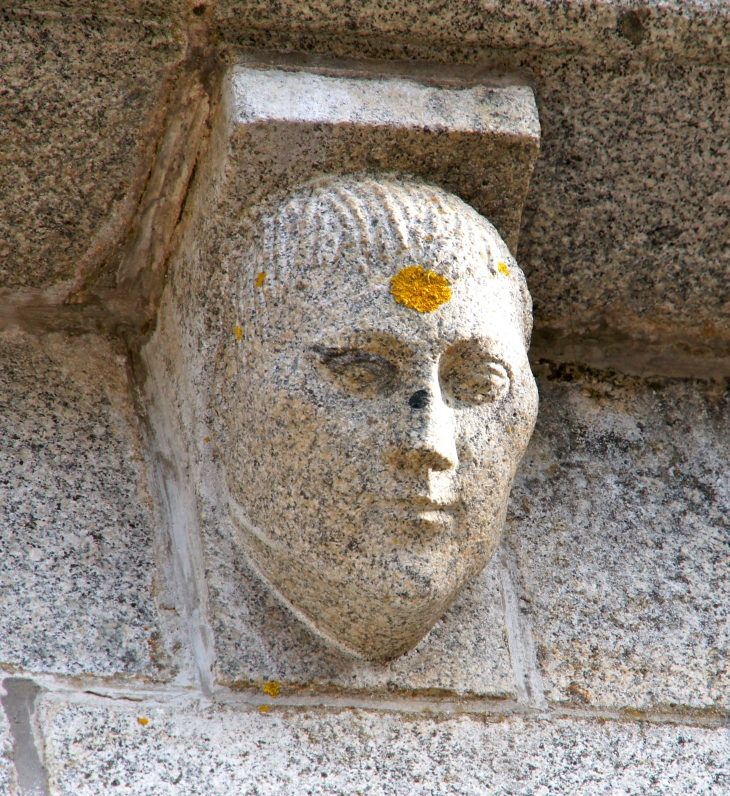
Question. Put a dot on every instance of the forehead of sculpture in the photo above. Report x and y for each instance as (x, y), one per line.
(369, 222)
(372, 253)
(343, 312)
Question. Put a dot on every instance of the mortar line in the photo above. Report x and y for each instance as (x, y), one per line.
(521, 645)
(167, 697)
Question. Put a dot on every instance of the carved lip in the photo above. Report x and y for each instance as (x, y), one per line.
(425, 509)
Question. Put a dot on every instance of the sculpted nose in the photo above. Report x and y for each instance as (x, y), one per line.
(428, 442)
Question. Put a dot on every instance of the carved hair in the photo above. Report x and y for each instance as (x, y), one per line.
(367, 220)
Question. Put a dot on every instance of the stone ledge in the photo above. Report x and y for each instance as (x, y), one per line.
(190, 749)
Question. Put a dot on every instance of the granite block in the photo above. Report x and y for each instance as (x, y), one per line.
(627, 216)
(258, 639)
(620, 528)
(287, 127)
(80, 94)
(687, 29)
(213, 750)
(78, 576)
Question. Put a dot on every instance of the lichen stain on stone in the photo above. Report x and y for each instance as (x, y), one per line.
(238, 332)
(143, 721)
(264, 709)
(272, 688)
(424, 291)
(260, 279)
(502, 268)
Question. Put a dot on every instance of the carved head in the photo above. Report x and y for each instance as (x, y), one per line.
(380, 403)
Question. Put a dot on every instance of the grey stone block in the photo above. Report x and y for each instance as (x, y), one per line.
(77, 568)
(8, 780)
(257, 639)
(214, 750)
(478, 142)
(620, 526)
(77, 122)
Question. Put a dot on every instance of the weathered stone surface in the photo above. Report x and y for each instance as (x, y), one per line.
(625, 225)
(627, 217)
(76, 528)
(7, 775)
(257, 639)
(79, 95)
(659, 30)
(374, 404)
(95, 749)
(203, 333)
(478, 142)
(620, 524)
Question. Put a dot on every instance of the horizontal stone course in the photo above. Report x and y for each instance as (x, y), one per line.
(210, 750)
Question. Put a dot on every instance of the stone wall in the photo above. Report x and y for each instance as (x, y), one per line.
(138, 648)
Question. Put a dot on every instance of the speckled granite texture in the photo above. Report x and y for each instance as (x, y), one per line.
(77, 561)
(620, 524)
(79, 93)
(375, 408)
(257, 639)
(287, 127)
(611, 589)
(96, 749)
(626, 221)
(687, 29)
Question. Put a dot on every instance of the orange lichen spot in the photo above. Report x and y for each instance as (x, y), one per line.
(502, 268)
(272, 688)
(238, 332)
(575, 690)
(429, 238)
(264, 709)
(424, 291)
(260, 279)
(206, 439)
(143, 721)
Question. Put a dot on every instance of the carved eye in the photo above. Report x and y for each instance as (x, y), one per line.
(470, 375)
(359, 371)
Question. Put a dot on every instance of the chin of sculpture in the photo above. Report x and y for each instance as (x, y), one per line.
(379, 404)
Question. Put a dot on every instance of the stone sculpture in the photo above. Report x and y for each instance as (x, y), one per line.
(379, 400)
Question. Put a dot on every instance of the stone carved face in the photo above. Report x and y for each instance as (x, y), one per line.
(372, 446)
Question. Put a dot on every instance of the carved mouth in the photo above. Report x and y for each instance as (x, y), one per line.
(424, 509)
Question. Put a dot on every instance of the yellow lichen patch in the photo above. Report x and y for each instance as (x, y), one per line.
(143, 721)
(272, 688)
(264, 709)
(260, 279)
(424, 291)
(238, 332)
(206, 439)
(502, 268)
